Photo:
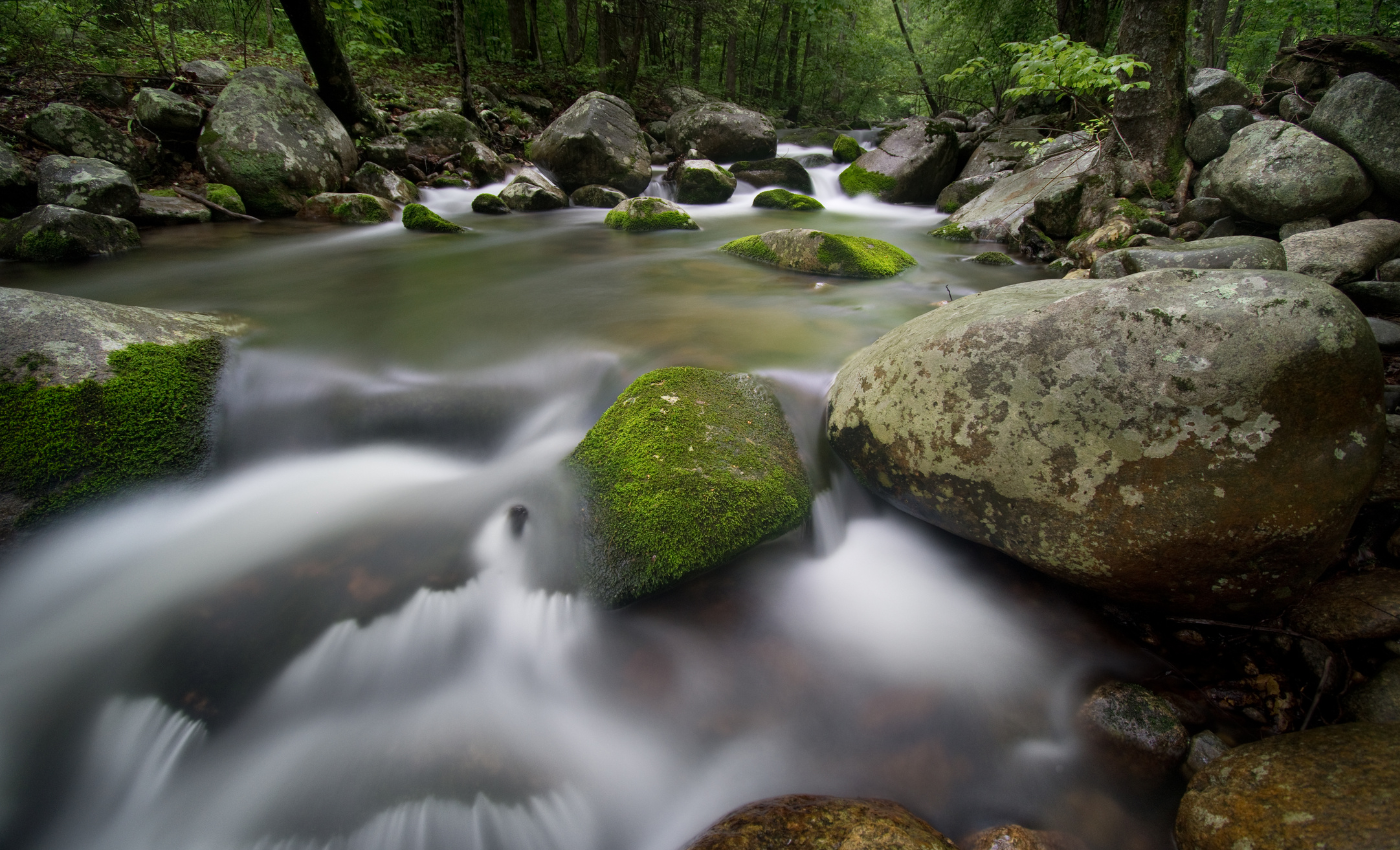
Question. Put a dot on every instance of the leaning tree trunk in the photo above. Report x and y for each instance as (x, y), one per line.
(919, 69)
(1152, 122)
(333, 78)
(459, 38)
(519, 24)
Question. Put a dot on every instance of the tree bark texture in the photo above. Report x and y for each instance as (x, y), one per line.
(333, 78)
(696, 43)
(573, 44)
(518, 19)
(1152, 122)
(1085, 20)
(464, 71)
(919, 69)
(780, 50)
(731, 62)
(536, 52)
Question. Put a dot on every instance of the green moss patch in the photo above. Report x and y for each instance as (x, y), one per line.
(856, 181)
(953, 233)
(858, 256)
(993, 258)
(419, 217)
(65, 445)
(751, 248)
(643, 215)
(225, 196)
(846, 149)
(782, 199)
(688, 468)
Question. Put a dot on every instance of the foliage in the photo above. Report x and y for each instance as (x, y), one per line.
(1062, 69)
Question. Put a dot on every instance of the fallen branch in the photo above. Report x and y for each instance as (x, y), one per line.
(213, 206)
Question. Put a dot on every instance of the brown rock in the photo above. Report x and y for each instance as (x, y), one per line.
(1134, 729)
(810, 822)
(1351, 607)
(1336, 787)
(1013, 837)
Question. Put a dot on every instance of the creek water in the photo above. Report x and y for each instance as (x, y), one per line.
(342, 636)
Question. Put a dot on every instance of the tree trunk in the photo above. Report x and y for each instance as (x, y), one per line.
(757, 46)
(333, 78)
(1152, 122)
(731, 62)
(573, 44)
(633, 55)
(779, 50)
(1084, 20)
(519, 22)
(536, 53)
(1236, 23)
(464, 71)
(919, 69)
(609, 53)
(270, 33)
(696, 44)
(793, 37)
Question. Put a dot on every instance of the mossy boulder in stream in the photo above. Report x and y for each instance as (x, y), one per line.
(225, 196)
(94, 396)
(51, 233)
(688, 468)
(642, 215)
(700, 181)
(419, 217)
(811, 822)
(348, 208)
(1193, 440)
(782, 199)
(846, 149)
(816, 252)
(488, 204)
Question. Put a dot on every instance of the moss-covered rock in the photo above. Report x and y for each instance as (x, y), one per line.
(816, 252)
(688, 468)
(74, 131)
(436, 133)
(642, 215)
(419, 217)
(700, 181)
(809, 822)
(489, 204)
(389, 151)
(166, 114)
(782, 199)
(92, 185)
(1133, 729)
(51, 233)
(447, 180)
(953, 232)
(482, 163)
(846, 149)
(531, 191)
(993, 258)
(375, 179)
(348, 208)
(597, 196)
(911, 165)
(225, 196)
(775, 171)
(94, 396)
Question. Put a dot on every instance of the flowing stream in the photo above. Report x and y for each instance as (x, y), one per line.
(343, 636)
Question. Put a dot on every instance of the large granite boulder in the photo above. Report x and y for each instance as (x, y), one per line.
(436, 133)
(1003, 150)
(597, 140)
(909, 166)
(1144, 437)
(273, 140)
(531, 191)
(50, 233)
(722, 132)
(996, 214)
(95, 396)
(1343, 253)
(644, 215)
(18, 191)
(1337, 787)
(688, 468)
(1209, 135)
(1212, 87)
(778, 171)
(677, 98)
(375, 179)
(74, 131)
(815, 252)
(1361, 115)
(700, 181)
(1224, 252)
(92, 185)
(166, 114)
(810, 822)
(959, 192)
(482, 164)
(1275, 172)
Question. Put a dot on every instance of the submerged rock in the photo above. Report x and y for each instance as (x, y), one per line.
(92, 185)
(96, 396)
(815, 252)
(489, 204)
(1275, 172)
(1134, 729)
(375, 179)
(1225, 252)
(1361, 115)
(74, 131)
(1343, 253)
(348, 208)
(846, 149)
(782, 199)
(814, 160)
(1336, 787)
(161, 211)
(419, 217)
(596, 141)
(1141, 437)
(50, 233)
(643, 215)
(1358, 607)
(778, 171)
(700, 181)
(910, 166)
(810, 822)
(598, 197)
(722, 132)
(688, 468)
(166, 114)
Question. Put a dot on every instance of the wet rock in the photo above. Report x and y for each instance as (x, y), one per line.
(1378, 701)
(665, 469)
(997, 214)
(959, 192)
(74, 131)
(1336, 787)
(953, 233)
(447, 180)
(601, 197)
(51, 232)
(812, 137)
(1012, 837)
(1388, 271)
(722, 132)
(700, 181)
(273, 140)
(815, 252)
(778, 171)
(1361, 115)
(489, 204)
(482, 164)
(163, 211)
(1209, 135)
(814, 160)
(1204, 210)
(375, 179)
(679, 97)
(96, 395)
(845, 149)
(1134, 729)
(643, 215)
(1351, 608)
(212, 71)
(420, 218)
(1294, 108)
(391, 152)
(1293, 228)
(1275, 173)
(782, 199)
(531, 191)
(436, 133)
(347, 208)
(810, 822)
(92, 185)
(1229, 252)
(1212, 87)
(596, 141)
(993, 258)
(166, 114)
(1205, 748)
(1343, 253)
(908, 167)
(18, 191)
(1152, 499)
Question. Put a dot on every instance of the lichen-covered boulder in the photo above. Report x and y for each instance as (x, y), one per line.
(18, 191)
(1141, 436)
(160, 211)
(811, 822)
(1133, 729)
(273, 140)
(1275, 172)
(74, 131)
(700, 181)
(846, 149)
(92, 185)
(531, 191)
(482, 164)
(1212, 87)
(94, 396)
(375, 179)
(782, 199)
(1223, 252)
(212, 71)
(389, 151)
(959, 192)
(1361, 115)
(996, 215)
(1209, 135)
(348, 208)
(489, 204)
(910, 166)
(596, 140)
(778, 171)
(1336, 787)
(722, 132)
(420, 218)
(166, 114)
(599, 197)
(643, 215)
(1343, 253)
(436, 133)
(51, 232)
(815, 252)
(1359, 607)
(688, 468)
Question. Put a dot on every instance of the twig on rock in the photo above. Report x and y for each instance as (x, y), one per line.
(213, 206)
